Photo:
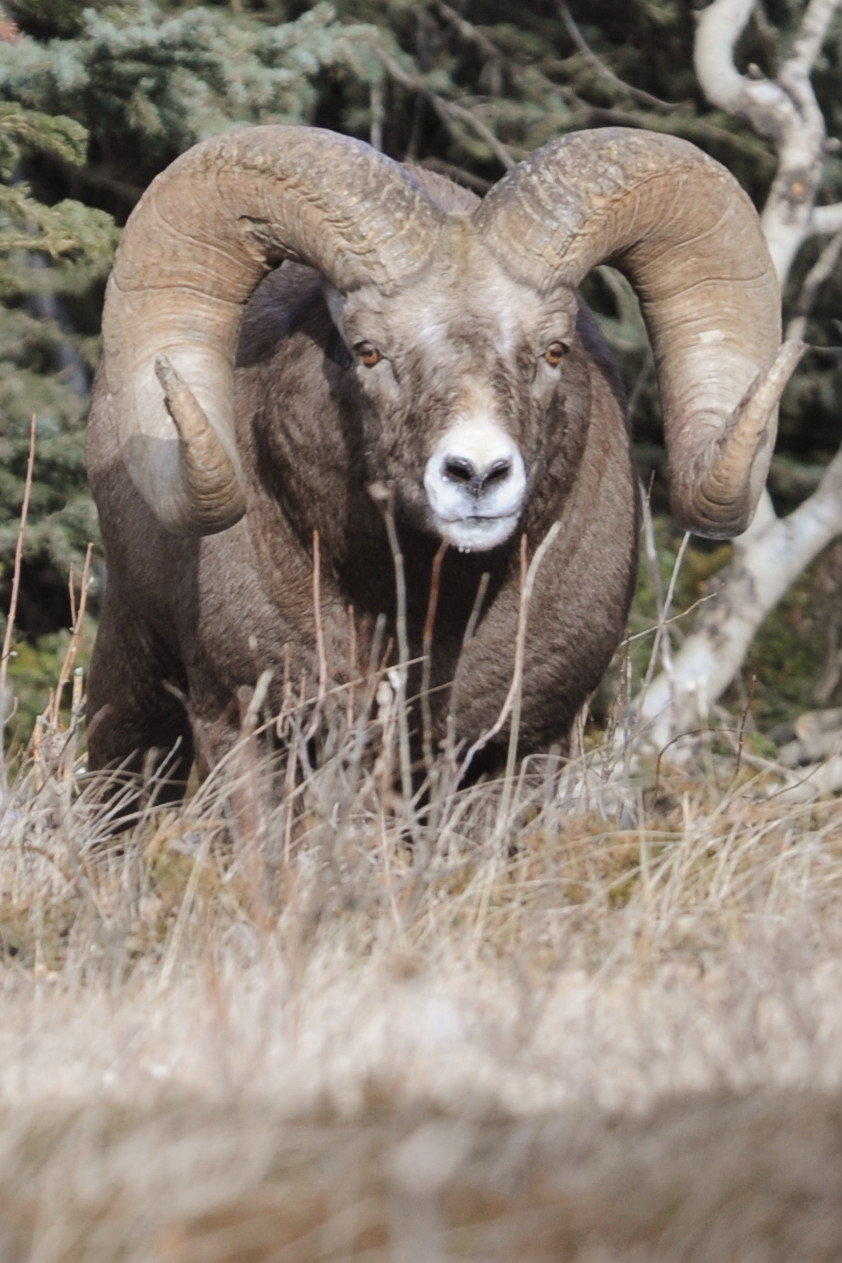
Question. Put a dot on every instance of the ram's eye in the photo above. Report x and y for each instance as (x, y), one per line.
(555, 353)
(369, 355)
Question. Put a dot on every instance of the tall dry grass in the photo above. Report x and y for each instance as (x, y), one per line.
(578, 1018)
(590, 1011)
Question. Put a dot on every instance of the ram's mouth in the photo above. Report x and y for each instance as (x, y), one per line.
(478, 533)
(478, 517)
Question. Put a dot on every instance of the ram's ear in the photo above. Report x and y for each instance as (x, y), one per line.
(337, 351)
(337, 347)
(335, 305)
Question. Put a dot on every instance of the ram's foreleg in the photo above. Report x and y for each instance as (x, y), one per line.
(138, 731)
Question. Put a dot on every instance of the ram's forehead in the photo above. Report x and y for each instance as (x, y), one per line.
(478, 299)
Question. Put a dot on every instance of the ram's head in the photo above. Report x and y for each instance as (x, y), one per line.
(461, 328)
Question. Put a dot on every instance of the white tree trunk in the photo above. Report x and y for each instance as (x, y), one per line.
(769, 557)
(762, 571)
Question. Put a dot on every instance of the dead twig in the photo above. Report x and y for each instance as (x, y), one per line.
(512, 696)
(6, 652)
(636, 94)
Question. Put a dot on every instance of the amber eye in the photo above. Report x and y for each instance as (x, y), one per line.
(555, 353)
(369, 355)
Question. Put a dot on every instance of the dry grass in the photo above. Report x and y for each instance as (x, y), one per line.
(589, 1012)
(571, 1017)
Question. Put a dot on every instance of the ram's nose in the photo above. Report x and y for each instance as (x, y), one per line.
(475, 482)
(476, 476)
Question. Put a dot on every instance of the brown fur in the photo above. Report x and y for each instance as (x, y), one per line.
(187, 622)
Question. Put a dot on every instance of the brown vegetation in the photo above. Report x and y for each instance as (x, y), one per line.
(591, 1013)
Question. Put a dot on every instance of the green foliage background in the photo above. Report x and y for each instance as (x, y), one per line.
(96, 99)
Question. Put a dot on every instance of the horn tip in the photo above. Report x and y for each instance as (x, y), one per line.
(166, 373)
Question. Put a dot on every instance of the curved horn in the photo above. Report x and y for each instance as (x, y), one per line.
(198, 242)
(689, 240)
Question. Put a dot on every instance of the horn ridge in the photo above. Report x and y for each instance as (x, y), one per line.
(689, 240)
(201, 238)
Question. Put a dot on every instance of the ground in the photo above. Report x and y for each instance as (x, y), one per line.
(593, 1013)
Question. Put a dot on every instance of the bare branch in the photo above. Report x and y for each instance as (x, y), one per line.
(772, 553)
(812, 34)
(637, 94)
(759, 576)
(785, 112)
(512, 700)
(719, 27)
(469, 32)
(8, 636)
(448, 111)
(377, 110)
(821, 271)
(460, 174)
(827, 219)
(810, 783)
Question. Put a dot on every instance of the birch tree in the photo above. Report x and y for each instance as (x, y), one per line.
(774, 551)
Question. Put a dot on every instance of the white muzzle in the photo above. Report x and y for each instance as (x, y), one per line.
(475, 483)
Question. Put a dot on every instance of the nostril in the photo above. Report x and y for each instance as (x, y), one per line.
(497, 472)
(459, 468)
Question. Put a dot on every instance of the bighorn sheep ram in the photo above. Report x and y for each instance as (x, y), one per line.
(422, 339)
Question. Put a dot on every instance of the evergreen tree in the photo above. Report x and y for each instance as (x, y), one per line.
(46, 251)
(100, 97)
